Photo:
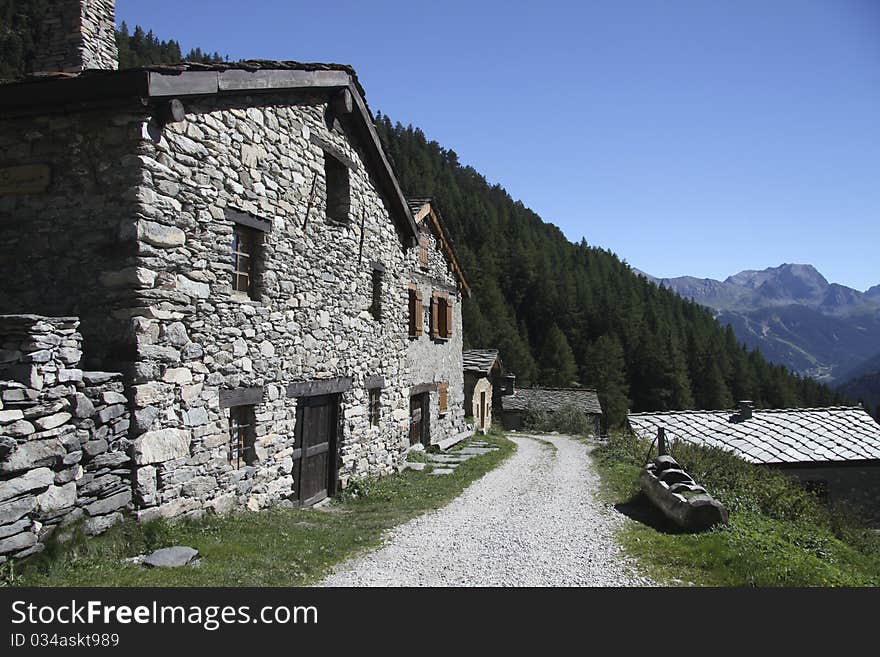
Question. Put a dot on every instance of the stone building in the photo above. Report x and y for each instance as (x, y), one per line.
(236, 244)
(517, 405)
(833, 451)
(436, 288)
(485, 383)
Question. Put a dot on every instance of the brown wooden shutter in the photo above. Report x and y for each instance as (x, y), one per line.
(412, 312)
(420, 312)
(448, 305)
(435, 316)
(443, 390)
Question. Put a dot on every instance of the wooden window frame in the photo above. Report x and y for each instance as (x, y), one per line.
(242, 436)
(245, 244)
(374, 405)
(441, 316)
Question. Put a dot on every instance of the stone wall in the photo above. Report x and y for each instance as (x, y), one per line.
(437, 360)
(308, 319)
(68, 249)
(78, 35)
(63, 436)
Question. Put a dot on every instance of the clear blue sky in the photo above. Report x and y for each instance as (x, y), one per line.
(689, 137)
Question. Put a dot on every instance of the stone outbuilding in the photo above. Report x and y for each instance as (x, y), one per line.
(436, 289)
(236, 244)
(833, 451)
(517, 406)
(485, 382)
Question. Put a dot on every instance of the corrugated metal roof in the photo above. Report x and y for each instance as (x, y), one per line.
(479, 360)
(552, 399)
(772, 436)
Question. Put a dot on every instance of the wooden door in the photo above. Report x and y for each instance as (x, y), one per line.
(315, 448)
(482, 410)
(416, 419)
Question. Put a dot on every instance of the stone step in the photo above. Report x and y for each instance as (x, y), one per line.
(441, 471)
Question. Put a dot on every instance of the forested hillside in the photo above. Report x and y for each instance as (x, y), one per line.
(21, 33)
(565, 314)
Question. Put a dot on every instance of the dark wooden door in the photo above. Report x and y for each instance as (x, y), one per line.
(315, 448)
(419, 419)
(416, 419)
(482, 410)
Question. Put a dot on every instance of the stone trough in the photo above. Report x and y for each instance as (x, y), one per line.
(677, 495)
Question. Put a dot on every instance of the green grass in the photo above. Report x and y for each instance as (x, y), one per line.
(277, 547)
(779, 535)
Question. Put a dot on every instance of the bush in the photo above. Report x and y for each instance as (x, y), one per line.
(569, 420)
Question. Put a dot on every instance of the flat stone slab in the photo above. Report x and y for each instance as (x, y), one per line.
(477, 450)
(171, 557)
(441, 471)
(416, 466)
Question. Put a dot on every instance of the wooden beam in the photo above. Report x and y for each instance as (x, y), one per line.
(188, 83)
(422, 387)
(374, 382)
(241, 397)
(341, 102)
(171, 111)
(246, 219)
(317, 387)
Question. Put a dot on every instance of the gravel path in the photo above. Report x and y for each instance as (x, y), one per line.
(533, 521)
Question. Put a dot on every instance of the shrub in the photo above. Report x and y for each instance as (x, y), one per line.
(569, 420)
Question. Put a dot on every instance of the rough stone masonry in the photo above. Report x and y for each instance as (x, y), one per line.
(63, 436)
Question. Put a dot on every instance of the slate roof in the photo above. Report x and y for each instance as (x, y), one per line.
(479, 360)
(552, 399)
(798, 435)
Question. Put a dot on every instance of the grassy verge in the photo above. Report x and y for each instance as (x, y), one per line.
(277, 547)
(778, 535)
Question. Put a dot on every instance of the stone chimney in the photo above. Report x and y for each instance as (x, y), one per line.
(745, 409)
(78, 35)
(509, 384)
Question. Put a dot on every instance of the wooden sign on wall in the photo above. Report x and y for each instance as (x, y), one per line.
(24, 179)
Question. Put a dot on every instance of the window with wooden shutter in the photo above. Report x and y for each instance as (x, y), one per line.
(447, 306)
(441, 316)
(443, 394)
(435, 316)
(415, 313)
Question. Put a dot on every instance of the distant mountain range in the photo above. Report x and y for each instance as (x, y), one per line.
(796, 317)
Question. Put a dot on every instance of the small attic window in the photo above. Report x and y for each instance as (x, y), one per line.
(338, 188)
